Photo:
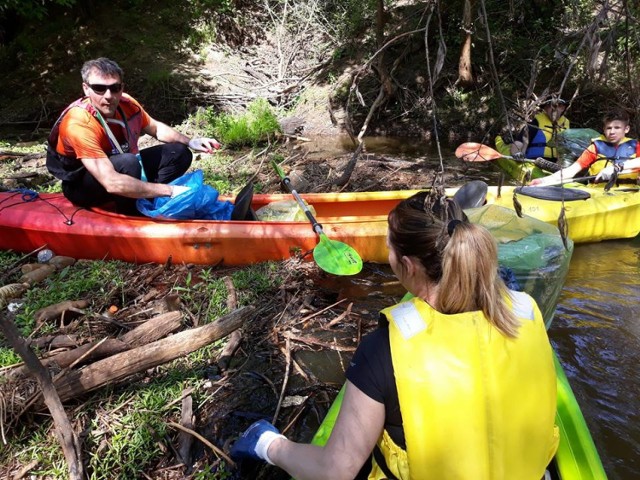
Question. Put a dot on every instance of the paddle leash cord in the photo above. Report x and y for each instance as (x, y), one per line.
(27, 195)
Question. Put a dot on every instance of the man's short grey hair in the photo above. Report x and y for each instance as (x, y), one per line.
(103, 65)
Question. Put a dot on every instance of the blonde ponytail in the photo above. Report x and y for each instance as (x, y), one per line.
(470, 279)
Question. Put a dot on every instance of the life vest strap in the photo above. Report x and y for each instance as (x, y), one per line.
(382, 463)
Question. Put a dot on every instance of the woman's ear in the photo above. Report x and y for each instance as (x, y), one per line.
(409, 264)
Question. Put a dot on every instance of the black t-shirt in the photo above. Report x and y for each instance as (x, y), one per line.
(371, 370)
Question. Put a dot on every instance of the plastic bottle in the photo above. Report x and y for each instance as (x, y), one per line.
(45, 255)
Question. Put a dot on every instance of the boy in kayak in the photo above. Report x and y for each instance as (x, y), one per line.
(609, 154)
(458, 382)
(93, 146)
(535, 140)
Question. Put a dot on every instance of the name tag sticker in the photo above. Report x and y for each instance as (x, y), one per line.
(408, 320)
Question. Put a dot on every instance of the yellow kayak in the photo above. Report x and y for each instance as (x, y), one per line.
(522, 170)
(592, 214)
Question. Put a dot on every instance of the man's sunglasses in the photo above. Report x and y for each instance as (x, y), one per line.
(102, 89)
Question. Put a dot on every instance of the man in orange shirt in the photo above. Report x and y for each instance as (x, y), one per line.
(93, 147)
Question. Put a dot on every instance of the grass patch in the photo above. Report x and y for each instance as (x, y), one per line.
(82, 280)
(8, 259)
(257, 125)
(225, 173)
(22, 148)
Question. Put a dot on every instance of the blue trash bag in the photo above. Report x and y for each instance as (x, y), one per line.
(200, 202)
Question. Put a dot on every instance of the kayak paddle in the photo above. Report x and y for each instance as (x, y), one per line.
(580, 179)
(331, 256)
(477, 152)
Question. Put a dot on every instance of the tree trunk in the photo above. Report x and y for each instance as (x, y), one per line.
(465, 76)
(383, 72)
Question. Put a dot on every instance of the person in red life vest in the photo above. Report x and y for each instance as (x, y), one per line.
(93, 146)
(458, 382)
(611, 153)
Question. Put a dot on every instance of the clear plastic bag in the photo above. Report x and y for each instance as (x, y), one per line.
(572, 142)
(530, 251)
(283, 211)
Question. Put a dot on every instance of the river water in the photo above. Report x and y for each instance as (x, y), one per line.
(596, 333)
(596, 329)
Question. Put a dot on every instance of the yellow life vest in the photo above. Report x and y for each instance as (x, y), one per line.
(538, 146)
(475, 404)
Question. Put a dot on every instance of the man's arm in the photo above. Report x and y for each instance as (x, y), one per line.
(164, 132)
(587, 157)
(633, 164)
(167, 134)
(124, 185)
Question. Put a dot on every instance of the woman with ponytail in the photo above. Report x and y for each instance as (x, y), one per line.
(458, 382)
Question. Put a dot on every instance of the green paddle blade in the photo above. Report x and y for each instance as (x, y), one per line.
(336, 257)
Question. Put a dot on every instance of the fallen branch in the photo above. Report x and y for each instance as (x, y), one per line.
(216, 450)
(315, 314)
(153, 329)
(53, 312)
(185, 440)
(340, 317)
(25, 156)
(285, 380)
(295, 137)
(15, 266)
(236, 337)
(346, 175)
(320, 343)
(122, 365)
(63, 429)
(150, 331)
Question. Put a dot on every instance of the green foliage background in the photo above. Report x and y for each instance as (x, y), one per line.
(584, 48)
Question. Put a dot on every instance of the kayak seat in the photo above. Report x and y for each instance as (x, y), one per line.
(553, 193)
(471, 195)
(242, 207)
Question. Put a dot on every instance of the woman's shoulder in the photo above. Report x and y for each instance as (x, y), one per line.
(375, 341)
(374, 349)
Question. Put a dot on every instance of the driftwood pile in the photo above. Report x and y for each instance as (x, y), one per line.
(267, 378)
(80, 369)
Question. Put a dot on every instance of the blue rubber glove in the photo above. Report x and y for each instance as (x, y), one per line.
(254, 442)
